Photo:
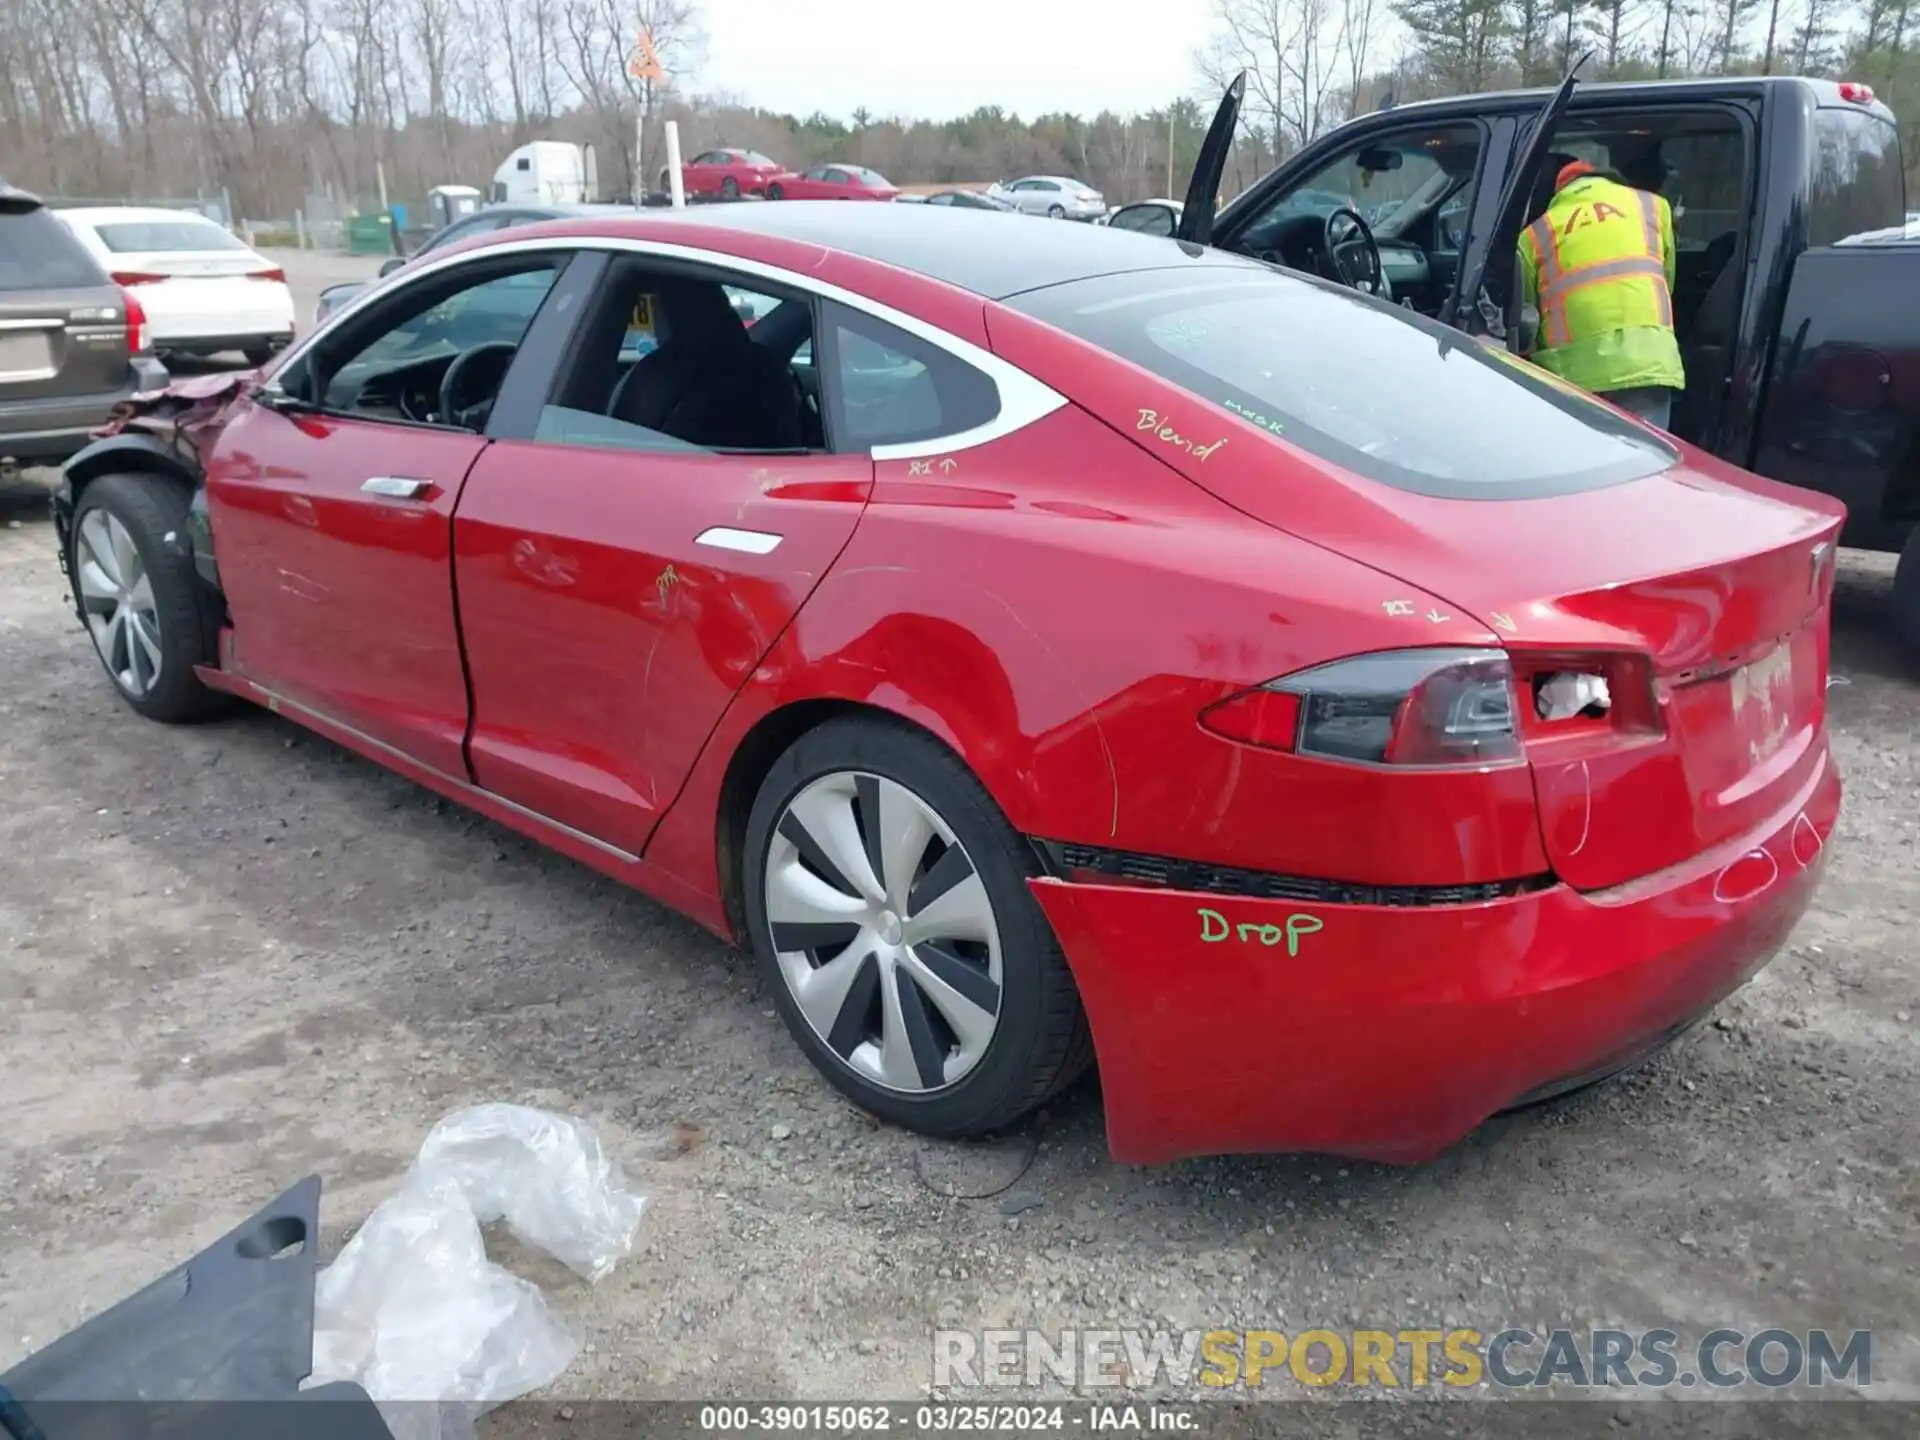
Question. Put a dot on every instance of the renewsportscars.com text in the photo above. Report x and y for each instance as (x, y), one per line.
(1416, 1359)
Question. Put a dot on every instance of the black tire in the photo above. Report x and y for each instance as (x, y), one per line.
(776, 191)
(728, 189)
(1041, 1043)
(1906, 595)
(1056, 212)
(186, 616)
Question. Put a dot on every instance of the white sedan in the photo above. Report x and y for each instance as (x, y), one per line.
(1058, 196)
(203, 290)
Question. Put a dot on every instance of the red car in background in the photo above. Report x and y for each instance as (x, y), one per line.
(833, 182)
(726, 173)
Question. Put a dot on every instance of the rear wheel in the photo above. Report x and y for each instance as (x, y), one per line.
(1906, 595)
(134, 581)
(776, 191)
(1056, 212)
(887, 902)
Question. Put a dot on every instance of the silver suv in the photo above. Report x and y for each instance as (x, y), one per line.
(71, 341)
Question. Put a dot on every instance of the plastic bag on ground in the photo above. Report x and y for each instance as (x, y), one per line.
(545, 1175)
(414, 1310)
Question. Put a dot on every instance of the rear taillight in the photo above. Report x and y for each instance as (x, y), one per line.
(1585, 696)
(136, 277)
(136, 323)
(1426, 708)
(275, 273)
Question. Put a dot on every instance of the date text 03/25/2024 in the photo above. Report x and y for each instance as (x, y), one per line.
(925, 1418)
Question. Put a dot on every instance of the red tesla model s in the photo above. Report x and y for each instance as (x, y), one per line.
(1097, 647)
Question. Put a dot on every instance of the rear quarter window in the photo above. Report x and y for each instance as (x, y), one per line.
(1383, 393)
(38, 252)
(1858, 184)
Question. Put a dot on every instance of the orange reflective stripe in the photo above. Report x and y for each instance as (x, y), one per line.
(1546, 250)
(1649, 221)
(1553, 298)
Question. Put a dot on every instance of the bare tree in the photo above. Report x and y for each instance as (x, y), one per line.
(1291, 51)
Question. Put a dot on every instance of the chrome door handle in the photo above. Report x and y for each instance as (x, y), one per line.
(395, 487)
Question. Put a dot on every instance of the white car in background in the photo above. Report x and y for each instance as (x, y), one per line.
(1058, 196)
(203, 291)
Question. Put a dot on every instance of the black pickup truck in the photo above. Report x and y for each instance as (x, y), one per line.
(1797, 300)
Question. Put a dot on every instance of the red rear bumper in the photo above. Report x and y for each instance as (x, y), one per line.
(1391, 1033)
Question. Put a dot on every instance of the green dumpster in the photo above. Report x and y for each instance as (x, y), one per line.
(369, 235)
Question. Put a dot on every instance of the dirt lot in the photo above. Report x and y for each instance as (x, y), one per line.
(234, 954)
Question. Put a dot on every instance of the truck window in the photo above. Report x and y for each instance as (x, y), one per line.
(1857, 180)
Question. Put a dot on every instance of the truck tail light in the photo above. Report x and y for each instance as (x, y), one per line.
(1440, 706)
(136, 323)
(1854, 93)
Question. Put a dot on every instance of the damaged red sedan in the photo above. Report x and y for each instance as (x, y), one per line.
(1100, 648)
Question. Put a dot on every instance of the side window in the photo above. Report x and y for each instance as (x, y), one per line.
(687, 363)
(390, 366)
(818, 172)
(523, 164)
(887, 387)
(1396, 181)
(837, 177)
(1858, 185)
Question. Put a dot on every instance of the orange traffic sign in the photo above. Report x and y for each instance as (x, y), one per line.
(644, 62)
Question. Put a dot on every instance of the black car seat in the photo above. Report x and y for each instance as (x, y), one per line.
(707, 383)
(1706, 346)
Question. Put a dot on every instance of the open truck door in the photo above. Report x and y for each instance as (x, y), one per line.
(1469, 307)
(1203, 190)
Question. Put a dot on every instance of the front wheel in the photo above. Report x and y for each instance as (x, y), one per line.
(776, 191)
(1056, 212)
(729, 189)
(143, 604)
(886, 897)
(1906, 595)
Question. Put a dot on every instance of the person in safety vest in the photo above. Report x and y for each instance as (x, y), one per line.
(1598, 267)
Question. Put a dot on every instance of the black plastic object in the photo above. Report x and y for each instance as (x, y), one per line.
(218, 1346)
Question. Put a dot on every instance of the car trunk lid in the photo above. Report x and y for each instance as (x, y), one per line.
(1704, 605)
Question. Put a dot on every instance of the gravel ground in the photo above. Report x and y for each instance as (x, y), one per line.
(234, 954)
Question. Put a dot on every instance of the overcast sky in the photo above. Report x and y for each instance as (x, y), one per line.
(940, 58)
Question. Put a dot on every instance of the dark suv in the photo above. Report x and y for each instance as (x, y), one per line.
(71, 341)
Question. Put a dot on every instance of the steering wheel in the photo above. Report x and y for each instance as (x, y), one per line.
(471, 382)
(1373, 278)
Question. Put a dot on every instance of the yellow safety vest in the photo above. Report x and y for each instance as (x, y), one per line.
(1599, 268)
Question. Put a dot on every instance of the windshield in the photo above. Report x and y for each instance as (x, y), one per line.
(150, 236)
(1392, 182)
(1376, 390)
